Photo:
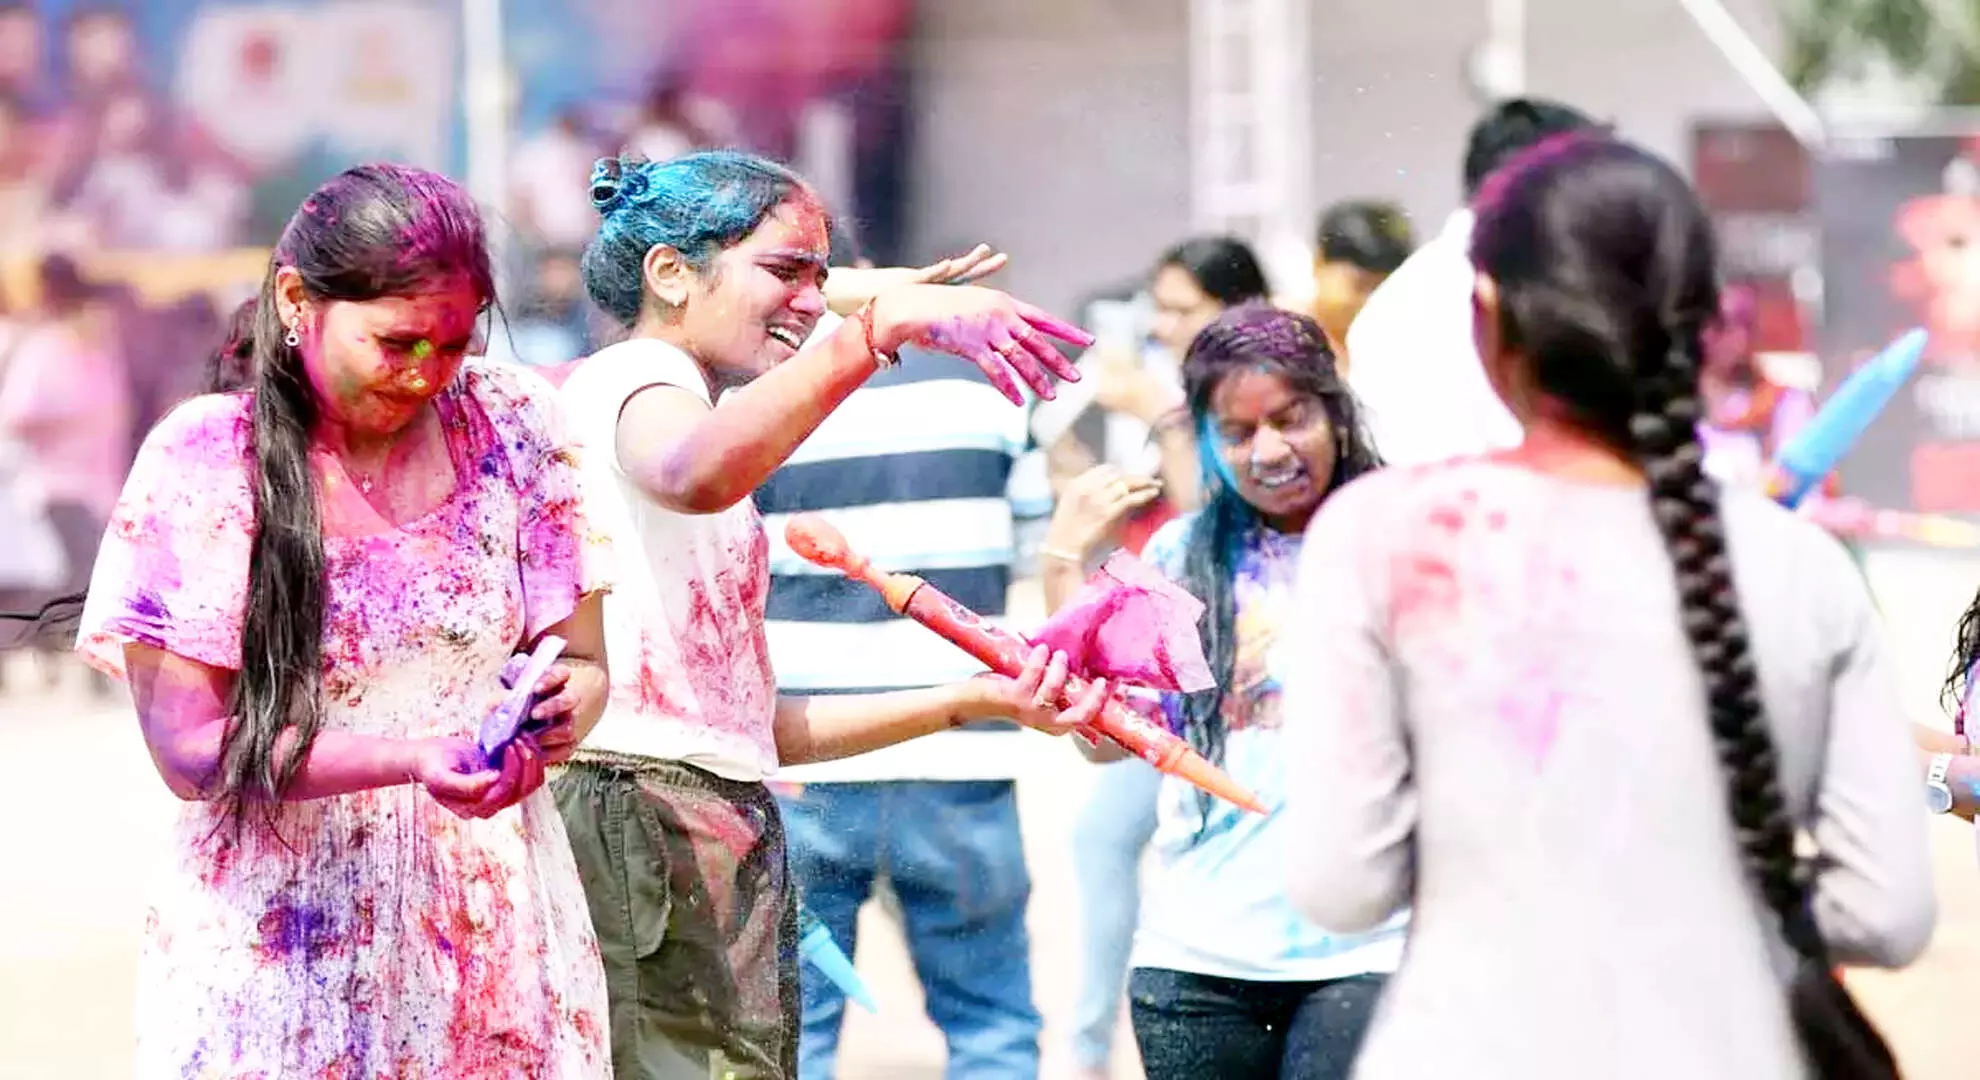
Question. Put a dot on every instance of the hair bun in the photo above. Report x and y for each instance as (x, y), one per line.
(606, 186)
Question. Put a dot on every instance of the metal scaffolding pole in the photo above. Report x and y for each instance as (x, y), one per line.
(1252, 129)
(484, 102)
(1751, 63)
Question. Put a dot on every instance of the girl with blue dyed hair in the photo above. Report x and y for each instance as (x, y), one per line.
(1228, 978)
(716, 265)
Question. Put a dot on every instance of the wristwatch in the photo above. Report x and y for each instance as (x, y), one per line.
(1938, 797)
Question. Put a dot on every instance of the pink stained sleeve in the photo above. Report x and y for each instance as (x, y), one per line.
(172, 570)
(563, 558)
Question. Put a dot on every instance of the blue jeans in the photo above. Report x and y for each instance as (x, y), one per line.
(1113, 829)
(1191, 1026)
(953, 854)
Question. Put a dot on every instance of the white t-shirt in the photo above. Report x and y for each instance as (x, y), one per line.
(1414, 366)
(691, 678)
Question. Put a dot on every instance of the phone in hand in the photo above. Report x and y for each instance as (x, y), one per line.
(511, 717)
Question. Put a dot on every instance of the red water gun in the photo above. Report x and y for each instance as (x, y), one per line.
(816, 540)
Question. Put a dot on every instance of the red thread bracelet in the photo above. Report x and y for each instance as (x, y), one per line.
(865, 317)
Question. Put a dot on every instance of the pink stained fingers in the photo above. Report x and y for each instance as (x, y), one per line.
(1000, 376)
(993, 365)
(1022, 360)
(1052, 324)
(1048, 354)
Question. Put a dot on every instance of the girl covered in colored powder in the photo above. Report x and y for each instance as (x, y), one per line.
(1572, 702)
(1229, 980)
(1115, 503)
(312, 586)
(714, 262)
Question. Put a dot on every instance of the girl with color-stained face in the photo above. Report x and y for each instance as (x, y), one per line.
(1228, 979)
(716, 265)
(1113, 501)
(313, 585)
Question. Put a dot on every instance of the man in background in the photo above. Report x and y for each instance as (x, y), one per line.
(914, 468)
(1414, 365)
(1358, 245)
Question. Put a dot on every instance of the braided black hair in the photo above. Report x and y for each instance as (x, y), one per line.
(1604, 263)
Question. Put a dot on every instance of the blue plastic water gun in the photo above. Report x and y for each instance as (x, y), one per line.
(1812, 453)
(816, 945)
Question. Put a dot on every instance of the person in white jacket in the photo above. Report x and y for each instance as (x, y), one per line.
(1415, 368)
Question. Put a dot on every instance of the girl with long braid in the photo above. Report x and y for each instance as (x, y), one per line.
(1571, 703)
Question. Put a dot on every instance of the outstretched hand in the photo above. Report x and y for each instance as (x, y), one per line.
(847, 287)
(997, 332)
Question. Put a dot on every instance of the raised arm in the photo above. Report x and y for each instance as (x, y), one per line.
(1086, 522)
(696, 460)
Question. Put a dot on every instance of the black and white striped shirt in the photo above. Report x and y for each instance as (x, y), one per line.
(914, 468)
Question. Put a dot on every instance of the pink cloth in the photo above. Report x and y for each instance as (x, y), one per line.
(1131, 624)
(69, 402)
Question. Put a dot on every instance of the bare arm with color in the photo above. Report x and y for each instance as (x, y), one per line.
(696, 460)
(813, 729)
(182, 712)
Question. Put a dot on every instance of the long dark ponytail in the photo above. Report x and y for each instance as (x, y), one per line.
(1251, 336)
(1604, 263)
(281, 678)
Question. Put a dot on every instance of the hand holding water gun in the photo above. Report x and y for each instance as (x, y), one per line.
(1097, 643)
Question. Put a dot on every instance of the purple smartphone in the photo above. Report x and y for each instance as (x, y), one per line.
(511, 717)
